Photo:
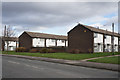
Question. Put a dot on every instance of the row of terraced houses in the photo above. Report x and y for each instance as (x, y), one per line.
(82, 37)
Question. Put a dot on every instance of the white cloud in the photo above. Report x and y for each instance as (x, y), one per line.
(98, 22)
(113, 19)
(95, 19)
(100, 26)
(104, 27)
(20, 29)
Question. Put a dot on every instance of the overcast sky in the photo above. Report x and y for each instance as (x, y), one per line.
(58, 18)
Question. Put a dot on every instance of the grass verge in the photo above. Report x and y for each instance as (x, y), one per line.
(67, 56)
(112, 60)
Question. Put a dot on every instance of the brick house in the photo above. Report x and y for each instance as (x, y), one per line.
(90, 39)
(35, 40)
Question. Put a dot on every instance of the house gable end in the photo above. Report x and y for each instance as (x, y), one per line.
(24, 33)
(79, 25)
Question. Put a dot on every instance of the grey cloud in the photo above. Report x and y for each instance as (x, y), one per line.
(52, 14)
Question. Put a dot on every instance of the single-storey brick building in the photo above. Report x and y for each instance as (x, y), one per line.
(90, 39)
(12, 43)
(31, 40)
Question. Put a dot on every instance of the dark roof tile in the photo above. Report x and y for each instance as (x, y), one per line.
(100, 30)
(10, 38)
(44, 35)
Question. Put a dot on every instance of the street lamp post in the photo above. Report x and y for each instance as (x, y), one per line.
(113, 38)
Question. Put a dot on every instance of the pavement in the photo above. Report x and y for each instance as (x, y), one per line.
(84, 63)
(99, 57)
(14, 67)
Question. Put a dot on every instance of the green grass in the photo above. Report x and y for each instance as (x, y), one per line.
(66, 56)
(112, 60)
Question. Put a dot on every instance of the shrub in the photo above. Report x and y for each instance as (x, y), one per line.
(46, 50)
(43, 50)
(75, 51)
(90, 50)
(33, 50)
(51, 51)
(20, 49)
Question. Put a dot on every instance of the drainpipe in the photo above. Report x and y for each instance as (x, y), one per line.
(55, 42)
(103, 42)
(45, 42)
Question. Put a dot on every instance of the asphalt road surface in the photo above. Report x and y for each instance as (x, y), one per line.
(24, 68)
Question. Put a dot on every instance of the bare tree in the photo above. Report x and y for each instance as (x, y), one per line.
(8, 32)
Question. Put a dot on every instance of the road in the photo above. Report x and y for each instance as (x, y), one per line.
(24, 68)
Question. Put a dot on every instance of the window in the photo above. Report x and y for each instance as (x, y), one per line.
(95, 35)
(52, 40)
(105, 36)
(38, 42)
(62, 41)
(95, 45)
(41, 39)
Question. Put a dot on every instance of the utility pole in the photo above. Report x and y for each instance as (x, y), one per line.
(4, 31)
(112, 38)
(4, 35)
